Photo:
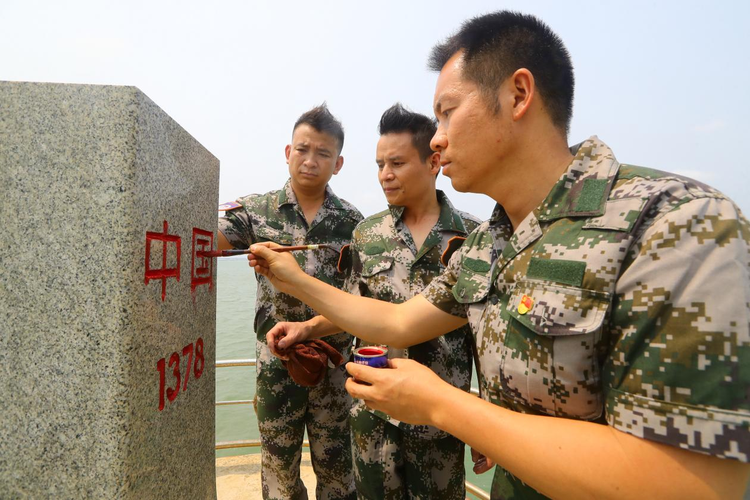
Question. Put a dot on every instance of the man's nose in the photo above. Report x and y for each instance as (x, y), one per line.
(309, 160)
(439, 141)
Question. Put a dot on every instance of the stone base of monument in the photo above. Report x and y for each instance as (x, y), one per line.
(107, 309)
(238, 478)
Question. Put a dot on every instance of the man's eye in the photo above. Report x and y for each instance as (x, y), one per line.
(397, 163)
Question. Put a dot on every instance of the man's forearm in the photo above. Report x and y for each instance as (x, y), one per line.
(397, 325)
(565, 458)
(320, 326)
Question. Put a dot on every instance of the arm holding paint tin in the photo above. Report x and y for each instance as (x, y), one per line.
(573, 452)
(397, 325)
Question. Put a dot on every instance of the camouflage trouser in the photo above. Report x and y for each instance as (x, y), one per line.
(392, 464)
(284, 409)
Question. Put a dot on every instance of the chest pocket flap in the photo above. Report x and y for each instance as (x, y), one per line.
(549, 359)
(473, 283)
(265, 233)
(550, 309)
(375, 265)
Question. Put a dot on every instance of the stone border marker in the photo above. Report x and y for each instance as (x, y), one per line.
(107, 312)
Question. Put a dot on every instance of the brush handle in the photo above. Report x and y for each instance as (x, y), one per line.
(244, 251)
(299, 247)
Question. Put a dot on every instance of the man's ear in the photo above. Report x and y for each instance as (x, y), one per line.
(434, 163)
(339, 164)
(523, 89)
(287, 151)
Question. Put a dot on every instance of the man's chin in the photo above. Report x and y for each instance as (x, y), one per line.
(310, 182)
(459, 186)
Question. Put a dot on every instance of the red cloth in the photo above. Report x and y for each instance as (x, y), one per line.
(308, 361)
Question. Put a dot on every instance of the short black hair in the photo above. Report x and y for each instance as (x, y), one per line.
(323, 121)
(496, 45)
(398, 119)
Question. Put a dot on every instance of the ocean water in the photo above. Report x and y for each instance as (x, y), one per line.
(235, 339)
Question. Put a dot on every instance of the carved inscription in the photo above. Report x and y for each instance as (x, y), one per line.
(165, 245)
(164, 272)
(195, 364)
(202, 268)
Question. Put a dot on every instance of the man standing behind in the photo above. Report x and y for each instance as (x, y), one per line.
(305, 211)
(394, 255)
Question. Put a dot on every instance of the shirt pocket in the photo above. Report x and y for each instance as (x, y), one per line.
(266, 233)
(377, 277)
(471, 289)
(549, 356)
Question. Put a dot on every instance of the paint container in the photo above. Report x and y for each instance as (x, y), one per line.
(375, 356)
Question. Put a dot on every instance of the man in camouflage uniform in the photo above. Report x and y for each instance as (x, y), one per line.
(305, 211)
(393, 257)
(392, 459)
(610, 304)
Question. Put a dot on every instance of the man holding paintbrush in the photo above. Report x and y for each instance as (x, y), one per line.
(608, 302)
(304, 212)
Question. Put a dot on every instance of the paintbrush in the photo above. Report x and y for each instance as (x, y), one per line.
(229, 253)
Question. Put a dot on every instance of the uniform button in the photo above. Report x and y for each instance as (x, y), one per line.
(493, 299)
(462, 292)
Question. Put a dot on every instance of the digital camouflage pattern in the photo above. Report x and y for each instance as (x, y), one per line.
(386, 265)
(285, 408)
(385, 456)
(624, 298)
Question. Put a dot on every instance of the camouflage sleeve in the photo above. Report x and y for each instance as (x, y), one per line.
(440, 290)
(354, 277)
(678, 372)
(237, 228)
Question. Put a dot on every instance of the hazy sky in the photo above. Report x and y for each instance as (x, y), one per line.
(665, 84)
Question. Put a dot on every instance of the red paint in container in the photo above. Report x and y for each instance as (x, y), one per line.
(375, 356)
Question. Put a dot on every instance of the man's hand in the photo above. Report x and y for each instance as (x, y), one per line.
(286, 334)
(406, 390)
(280, 268)
(481, 463)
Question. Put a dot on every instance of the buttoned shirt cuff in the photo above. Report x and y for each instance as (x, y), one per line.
(439, 293)
(713, 431)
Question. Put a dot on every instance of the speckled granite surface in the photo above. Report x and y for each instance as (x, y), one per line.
(85, 173)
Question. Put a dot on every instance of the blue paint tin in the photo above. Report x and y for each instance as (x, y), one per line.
(375, 356)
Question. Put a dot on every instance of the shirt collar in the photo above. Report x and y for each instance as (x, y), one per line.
(583, 190)
(286, 196)
(449, 219)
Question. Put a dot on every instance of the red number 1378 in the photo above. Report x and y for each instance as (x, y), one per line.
(174, 363)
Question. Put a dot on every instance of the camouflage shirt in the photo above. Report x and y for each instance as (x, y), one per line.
(386, 265)
(276, 216)
(624, 297)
